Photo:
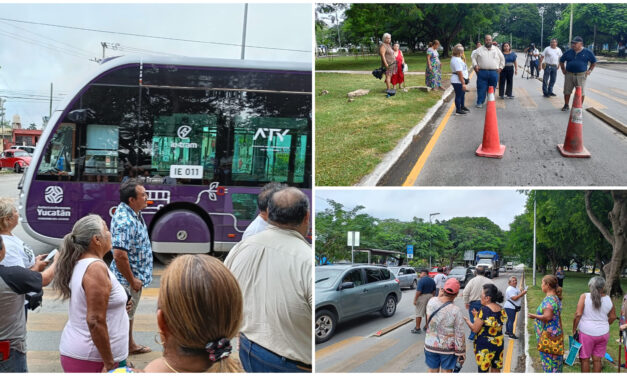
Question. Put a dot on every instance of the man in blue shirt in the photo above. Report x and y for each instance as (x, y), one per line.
(424, 292)
(576, 70)
(132, 251)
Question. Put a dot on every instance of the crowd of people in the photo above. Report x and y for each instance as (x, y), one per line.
(491, 317)
(494, 66)
(203, 303)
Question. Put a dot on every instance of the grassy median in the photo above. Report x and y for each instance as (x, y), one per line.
(575, 284)
(353, 137)
(417, 62)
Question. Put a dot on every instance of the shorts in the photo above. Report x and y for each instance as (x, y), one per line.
(571, 80)
(135, 296)
(437, 361)
(421, 304)
(593, 345)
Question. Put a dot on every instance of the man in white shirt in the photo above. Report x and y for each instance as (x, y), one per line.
(512, 305)
(261, 221)
(439, 280)
(551, 57)
(488, 61)
(274, 269)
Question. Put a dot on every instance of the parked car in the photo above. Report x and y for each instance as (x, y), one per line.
(509, 266)
(29, 149)
(462, 274)
(15, 159)
(434, 271)
(406, 276)
(347, 291)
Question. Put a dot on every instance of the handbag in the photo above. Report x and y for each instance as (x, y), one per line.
(517, 308)
(405, 68)
(466, 81)
(550, 344)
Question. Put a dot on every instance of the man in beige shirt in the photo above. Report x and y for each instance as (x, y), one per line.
(274, 270)
(487, 61)
(472, 294)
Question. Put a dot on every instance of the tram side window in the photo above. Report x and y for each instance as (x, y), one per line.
(184, 139)
(269, 149)
(101, 157)
(59, 158)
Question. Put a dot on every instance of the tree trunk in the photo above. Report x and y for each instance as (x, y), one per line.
(617, 238)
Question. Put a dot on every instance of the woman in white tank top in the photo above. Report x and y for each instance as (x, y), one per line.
(595, 313)
(95, 338)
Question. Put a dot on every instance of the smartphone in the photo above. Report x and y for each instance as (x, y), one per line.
(51, 255)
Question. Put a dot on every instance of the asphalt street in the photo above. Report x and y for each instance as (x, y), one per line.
(530, 126)
(44, 325)
(356, 348)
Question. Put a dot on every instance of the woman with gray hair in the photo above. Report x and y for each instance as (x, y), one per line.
(95, 337)
(595, 313)
(387, 59)
(459, 79)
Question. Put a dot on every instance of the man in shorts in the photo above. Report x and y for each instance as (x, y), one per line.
(424, 292)
(576, 70)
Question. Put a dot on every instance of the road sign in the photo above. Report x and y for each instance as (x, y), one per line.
(410, 251)
(469, 255)
(353, 239)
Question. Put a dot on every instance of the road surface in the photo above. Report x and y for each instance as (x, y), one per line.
(530, 126)
(354, 348)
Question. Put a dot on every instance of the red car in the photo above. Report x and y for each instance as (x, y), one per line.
(15, 159)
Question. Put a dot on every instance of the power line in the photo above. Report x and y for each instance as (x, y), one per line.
(151, 36)
(40, 44)
(78, 50)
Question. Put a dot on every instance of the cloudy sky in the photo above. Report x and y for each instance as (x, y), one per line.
(32, 56)
(500, 206)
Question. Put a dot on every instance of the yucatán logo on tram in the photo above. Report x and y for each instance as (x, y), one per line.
(54, 195)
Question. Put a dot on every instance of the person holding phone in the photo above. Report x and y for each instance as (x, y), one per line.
(513, 298)
(15, 282)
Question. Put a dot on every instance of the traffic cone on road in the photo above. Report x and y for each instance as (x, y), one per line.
(491, 146)
(573, 144)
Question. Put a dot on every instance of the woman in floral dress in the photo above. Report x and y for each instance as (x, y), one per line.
(488, 325)
(548, 319)
(433, 75)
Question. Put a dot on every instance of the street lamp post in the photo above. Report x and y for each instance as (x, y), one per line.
(430, 216)
(542, 27)
(534, 238)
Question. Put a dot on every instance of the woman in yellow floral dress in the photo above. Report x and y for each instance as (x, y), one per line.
(488, 325)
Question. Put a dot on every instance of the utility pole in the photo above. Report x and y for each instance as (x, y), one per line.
(337, 20)
(104, 45)
(570, 34)
(50, 109)
(534, 238)
(244, 32)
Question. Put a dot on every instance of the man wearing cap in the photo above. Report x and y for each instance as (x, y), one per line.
(445, 342)
(533, 54)
(472, 294)
(551, 58)
(424, 292)
(576, 69)
(488, 61)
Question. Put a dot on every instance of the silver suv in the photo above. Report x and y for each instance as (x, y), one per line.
(347, 291)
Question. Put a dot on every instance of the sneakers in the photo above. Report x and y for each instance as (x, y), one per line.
(510, 97)
(416, 331)
(513, 336)
(546, 95)
(501, 96)
(565, 108)
(479, 105)
(461, 112)
(465, 109)
(553, 94)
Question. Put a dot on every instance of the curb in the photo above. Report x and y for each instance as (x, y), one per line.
(393, 156)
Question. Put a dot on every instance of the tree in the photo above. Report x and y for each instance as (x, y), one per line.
(596, 23)
(32, 127)
(617, 237)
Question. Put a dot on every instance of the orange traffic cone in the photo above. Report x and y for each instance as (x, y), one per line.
(573, 144)
(491, 146)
